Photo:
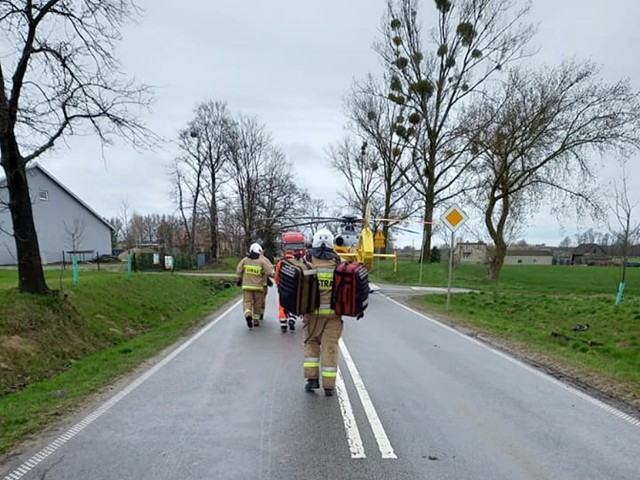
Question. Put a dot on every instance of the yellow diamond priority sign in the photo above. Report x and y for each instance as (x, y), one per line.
(454, 218)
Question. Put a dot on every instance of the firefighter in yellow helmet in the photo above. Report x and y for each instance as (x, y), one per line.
(323, 328)
(252, 272)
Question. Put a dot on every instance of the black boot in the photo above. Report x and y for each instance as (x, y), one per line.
(283, 327)
(292, 324)
(328, 392)
(262, 316)
(249, 321)
(312, 384)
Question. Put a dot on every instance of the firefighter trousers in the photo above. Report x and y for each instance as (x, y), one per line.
(253, 304)
(321, 334)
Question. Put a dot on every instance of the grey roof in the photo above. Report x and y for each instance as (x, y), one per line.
(585, 248)
(526, 252)
(35, 165)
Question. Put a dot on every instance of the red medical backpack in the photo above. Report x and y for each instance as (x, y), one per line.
(350, 294)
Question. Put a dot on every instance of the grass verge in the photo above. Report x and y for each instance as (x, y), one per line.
(56, 351)
(544, 328)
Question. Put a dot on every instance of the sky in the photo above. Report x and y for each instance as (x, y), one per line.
(290, 64)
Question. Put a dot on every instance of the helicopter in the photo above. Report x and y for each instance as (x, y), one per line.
(354, 239)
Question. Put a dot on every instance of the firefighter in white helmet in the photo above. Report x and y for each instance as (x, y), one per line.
(323, 328)
(252, 272)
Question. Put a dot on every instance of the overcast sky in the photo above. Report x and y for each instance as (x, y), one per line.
(289, 63)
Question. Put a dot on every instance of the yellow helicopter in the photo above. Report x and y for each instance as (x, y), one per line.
(354, 239)
(361, 246)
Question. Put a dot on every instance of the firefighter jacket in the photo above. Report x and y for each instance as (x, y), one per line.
(266, 260)
(253, 272)
(325, 266)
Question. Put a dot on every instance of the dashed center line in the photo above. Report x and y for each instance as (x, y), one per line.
(384, 445)
(351, 427)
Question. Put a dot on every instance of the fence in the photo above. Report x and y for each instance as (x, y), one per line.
(158, 261)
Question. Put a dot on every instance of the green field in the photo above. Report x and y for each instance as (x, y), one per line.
(57, 351)
(554, 279)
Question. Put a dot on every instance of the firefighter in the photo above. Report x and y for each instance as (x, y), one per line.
(323, 328)
(252, 272)
(287, 319)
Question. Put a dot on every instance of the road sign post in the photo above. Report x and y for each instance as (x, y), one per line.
(453, 218)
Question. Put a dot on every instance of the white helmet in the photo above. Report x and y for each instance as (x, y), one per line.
(255, 248)
(323, 237)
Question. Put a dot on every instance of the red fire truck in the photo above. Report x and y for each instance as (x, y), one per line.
(292, 244)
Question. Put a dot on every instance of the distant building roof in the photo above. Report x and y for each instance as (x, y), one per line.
(585, 248)
(524, 252)
(529, 252)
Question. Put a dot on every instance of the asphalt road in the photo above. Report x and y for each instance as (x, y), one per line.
(416, 400)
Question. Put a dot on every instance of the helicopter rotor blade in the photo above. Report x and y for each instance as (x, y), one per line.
(406, 230)
(301, 224)
(310, 218)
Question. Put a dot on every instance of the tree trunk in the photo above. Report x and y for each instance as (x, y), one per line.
(30, 272)
(497, 261)
(429, 200)
(428, 230)
(213, 219)
(496, 232)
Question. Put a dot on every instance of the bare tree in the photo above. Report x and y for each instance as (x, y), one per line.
(627, 230)
(59, 77)
(358, 165)
(587, 236)
(117, 231)
(315, 208)
(375, 120)
(231, 226)
(472, 41)
(125, 219)
(167, 231)
(537, 139)
(279, 197)
(75, 232)
(188, 174)
(250, 148)
(144, 228)
(565, 243)
(211, 128)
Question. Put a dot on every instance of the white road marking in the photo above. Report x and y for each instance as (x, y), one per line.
(77, 428)
(386, 450)
(351, 427)
(628, 418)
